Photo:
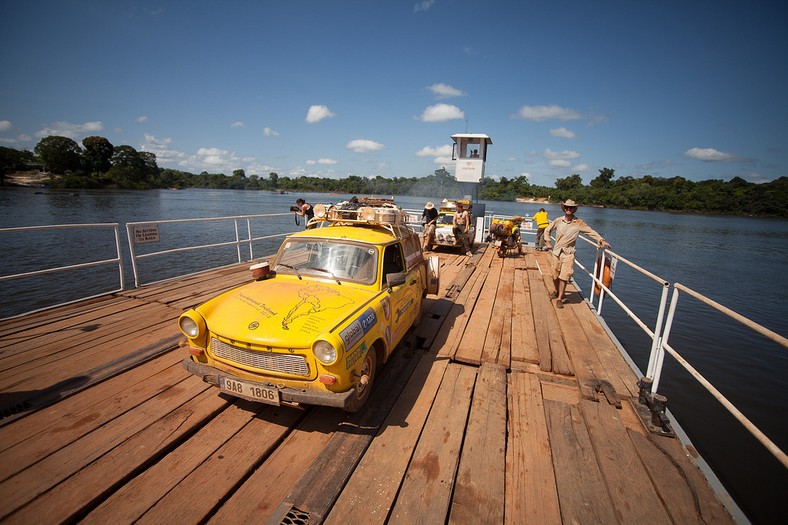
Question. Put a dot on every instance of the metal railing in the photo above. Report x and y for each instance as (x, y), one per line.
(658, 356)
(117, 260)
(659, 334)
(238, 241)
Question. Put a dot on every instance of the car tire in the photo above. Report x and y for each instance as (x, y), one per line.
(369, 368)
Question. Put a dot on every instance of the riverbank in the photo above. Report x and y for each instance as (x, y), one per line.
(29, 179)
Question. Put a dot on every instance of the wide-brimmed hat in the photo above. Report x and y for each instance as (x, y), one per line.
(569, 203)
(429, 206)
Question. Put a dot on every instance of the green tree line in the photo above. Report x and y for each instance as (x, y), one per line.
(96, 163)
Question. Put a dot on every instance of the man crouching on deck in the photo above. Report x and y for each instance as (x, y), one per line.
(562, 263)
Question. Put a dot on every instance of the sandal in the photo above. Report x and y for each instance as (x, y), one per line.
(553, 295)
(559, 303)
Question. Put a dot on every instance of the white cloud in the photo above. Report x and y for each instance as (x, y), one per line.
(562, 133)
(441, 112)
(67, 129)
(539, 113)
(211, 152)
(709, 155)
(317, 113)
(161, 148)
(445, 90)
(363, 145)
(440, 155)
(268, 132)
(238, 124)
(321, 161)
(429, 151)
(560, 159)
(580, 167)
(566, 154)
(423, 5)
(141, 119)
(5, 125)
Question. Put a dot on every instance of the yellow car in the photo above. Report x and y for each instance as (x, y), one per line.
(335, 304)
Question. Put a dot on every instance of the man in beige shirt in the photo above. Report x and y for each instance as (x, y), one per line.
(562, 262)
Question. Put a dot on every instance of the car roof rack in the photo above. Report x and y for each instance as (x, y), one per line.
(365, 211)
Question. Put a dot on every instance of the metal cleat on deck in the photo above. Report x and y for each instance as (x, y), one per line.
(651, 408)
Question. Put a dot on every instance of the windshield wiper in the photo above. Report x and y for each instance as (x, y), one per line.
(329, 272)
(292, 268)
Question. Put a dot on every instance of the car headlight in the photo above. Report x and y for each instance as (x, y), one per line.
(325, 352)
(192, 324)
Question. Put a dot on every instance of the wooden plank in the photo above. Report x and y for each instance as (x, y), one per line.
(256, 499)
(620, 374)
(584, 495)
(377, 478)
(524, 344)
(76, 407)
(193, 499)
(585, 364)
(680, 483)
(78, 493)
(634, 498)
(37, 478)
(470, 348)
(479, 492)
(531, 491)
(45, 372)
(540, 307)
(28, 448)
(139, 494)
(464, 307)
(426, 490)
(497, 344)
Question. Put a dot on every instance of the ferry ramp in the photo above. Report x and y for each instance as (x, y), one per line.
(497, 408)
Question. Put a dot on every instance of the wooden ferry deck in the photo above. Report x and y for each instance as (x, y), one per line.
(498, 408)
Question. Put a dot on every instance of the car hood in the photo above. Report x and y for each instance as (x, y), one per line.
(281, 312)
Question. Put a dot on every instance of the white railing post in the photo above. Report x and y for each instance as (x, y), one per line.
(120, 256)
(249, 236)
(657, 354)
(130, 236)
(237, 240)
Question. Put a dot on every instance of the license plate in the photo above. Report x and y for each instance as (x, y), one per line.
(252, 391)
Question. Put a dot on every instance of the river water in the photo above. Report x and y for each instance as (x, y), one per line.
(740, 262)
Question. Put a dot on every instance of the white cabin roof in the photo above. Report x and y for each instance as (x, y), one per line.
(481, 136)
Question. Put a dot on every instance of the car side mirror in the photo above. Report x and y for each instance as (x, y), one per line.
(395, 279)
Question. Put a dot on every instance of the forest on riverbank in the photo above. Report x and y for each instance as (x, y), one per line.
(97, 164)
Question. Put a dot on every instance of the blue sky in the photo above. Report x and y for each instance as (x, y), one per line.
(337, 88)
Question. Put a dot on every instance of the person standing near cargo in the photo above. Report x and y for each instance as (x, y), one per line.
(562, 261)
(304, 209)
(460, 224)
(542, 221)
(429, 218)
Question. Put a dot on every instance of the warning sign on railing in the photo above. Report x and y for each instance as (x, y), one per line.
(146, 233)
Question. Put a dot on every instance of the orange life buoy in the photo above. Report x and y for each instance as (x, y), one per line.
(605, 272)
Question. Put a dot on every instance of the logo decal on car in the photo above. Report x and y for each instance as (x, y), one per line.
(356, 330)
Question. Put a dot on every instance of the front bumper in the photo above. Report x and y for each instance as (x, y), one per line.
(211, 375)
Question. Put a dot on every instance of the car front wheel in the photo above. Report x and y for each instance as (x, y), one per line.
(368, 368)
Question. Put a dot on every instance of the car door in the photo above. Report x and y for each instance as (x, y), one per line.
(405, 297)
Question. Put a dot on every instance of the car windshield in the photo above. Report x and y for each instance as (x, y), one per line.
(446, 219)
(329, 258)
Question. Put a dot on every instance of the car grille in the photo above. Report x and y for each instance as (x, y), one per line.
(280, 363)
